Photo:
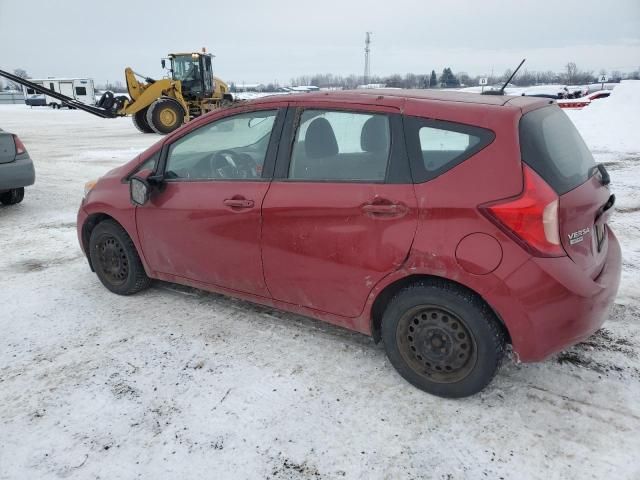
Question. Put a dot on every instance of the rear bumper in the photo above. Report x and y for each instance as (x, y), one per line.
(554, 304)
(17, 174)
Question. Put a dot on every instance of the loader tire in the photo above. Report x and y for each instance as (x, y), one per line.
(140, 121)
(165, 115)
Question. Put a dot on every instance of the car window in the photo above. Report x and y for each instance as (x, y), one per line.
(341, 146)
(232, 148)
(553, 147)
(439, 146)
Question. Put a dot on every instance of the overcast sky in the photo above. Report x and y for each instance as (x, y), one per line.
(265, 41)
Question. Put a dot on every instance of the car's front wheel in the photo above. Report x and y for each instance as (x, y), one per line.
(442, 339)
(115, 259)
(12, 197)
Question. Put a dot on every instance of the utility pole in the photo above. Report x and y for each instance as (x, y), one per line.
(367, 50)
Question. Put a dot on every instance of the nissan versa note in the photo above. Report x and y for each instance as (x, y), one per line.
(445, 224)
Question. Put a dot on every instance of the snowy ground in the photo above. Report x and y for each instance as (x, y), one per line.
(178, 383)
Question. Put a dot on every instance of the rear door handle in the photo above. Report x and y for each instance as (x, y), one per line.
(238, 203)
(384, 209)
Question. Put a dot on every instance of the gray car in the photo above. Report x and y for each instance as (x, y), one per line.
(16, 169)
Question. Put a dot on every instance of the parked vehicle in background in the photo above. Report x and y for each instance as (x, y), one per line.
(81, 89)
(445, 224)
(16, 169)
(35, 99)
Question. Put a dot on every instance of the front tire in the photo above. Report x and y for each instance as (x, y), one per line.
(140, 121)
(12, 197)
(442, 339)
(165, 115)
(115, 259)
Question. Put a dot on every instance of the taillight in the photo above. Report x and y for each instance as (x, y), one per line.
(531, 218)
(19, 145)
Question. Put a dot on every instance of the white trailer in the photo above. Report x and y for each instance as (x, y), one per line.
(80, 89)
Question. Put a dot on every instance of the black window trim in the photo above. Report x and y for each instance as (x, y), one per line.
(413, 125)
(270, 157)
(398, 171)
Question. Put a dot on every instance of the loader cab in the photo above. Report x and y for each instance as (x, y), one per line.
(195, 72)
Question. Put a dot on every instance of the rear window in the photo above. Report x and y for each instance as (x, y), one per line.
(552, 146)
(437, 146)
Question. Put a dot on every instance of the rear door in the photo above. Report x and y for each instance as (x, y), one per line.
(553, 147)
(341, 213)
(66, 88)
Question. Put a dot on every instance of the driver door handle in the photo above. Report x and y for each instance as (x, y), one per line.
(238, 203)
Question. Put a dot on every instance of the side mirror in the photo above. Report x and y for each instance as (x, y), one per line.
(139, 191)
(141, 185)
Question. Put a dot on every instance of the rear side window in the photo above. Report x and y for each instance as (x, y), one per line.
(341, 146)
(552, 146)
(438, 146)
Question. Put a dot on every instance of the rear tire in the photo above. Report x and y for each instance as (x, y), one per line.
(165, 115)
(140, 121)
(115, 259)
(12, 197)
(442, 339)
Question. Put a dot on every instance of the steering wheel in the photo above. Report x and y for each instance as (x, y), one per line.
(230, 164)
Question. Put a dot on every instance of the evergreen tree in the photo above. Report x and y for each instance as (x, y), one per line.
(448, 79)
(433, 81)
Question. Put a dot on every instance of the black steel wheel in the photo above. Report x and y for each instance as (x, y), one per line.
(112, 260)
(434, 340)
(443, 338)
(115, 259)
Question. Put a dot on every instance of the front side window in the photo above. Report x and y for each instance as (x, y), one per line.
(438, 146)
(232, 148)
(340, 146)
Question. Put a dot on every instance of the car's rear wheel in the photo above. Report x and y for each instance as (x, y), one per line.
(12, 197)
(443, 339)
(115, 259)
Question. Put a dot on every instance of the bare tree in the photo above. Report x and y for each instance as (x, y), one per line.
(18, 72)
(571, 72)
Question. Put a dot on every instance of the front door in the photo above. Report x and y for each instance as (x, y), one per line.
(204, 222)
(344, 214)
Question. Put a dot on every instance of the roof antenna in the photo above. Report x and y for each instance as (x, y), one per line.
(501, 91)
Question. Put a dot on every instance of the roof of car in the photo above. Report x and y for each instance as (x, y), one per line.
(366, 95)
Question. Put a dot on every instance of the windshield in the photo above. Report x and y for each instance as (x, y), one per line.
(185, 67)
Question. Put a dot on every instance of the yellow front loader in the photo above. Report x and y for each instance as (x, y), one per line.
(159, 106)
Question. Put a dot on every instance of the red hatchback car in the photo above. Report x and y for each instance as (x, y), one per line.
(445, 224)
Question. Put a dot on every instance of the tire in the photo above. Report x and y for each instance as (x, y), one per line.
(12, 196)
(140, 121)
(165, 115)
(115, 259)
(442, 339)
